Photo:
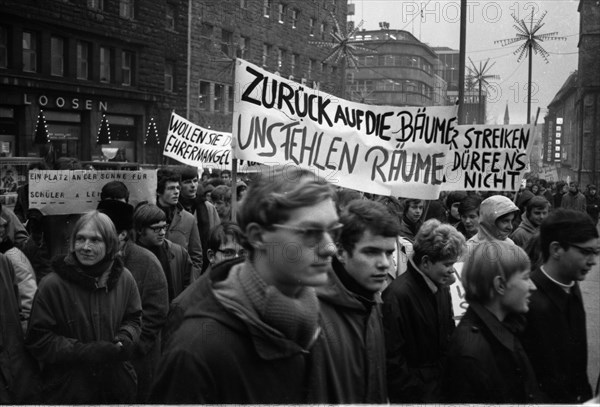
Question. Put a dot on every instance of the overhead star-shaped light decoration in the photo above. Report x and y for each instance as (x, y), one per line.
(103, 132)
(40, 135)
(479, 77)
(151, 132)
(529, 34)
(342, 46)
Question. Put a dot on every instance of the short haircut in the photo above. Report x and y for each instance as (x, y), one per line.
(454, 197)
(469, 203)
(223, 232)
(393, 205)
(565, 226)
(165, 175)
(188, 172)
(409, 201)
(486, 261)
(438, 241)
(221, 193)
(114, 190)
(147, 214)
(105, 228)
(343, 196)
(362, 215)
(277, 192)
(537, 202)
(225, 172)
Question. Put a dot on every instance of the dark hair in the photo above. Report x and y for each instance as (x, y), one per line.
(165, 175)
(453, 197)
(114, 190)
(537, 202)
(225, 172)
(147, 214)
(362, 215)
(221, 193)
(343, 196)
(37, 165)
(469, 203)
(223, 232)
(393, 205)
(276, 192)
(565, 226)
(188, 172)
(438, 241)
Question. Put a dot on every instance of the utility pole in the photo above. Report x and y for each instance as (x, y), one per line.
(462, 61)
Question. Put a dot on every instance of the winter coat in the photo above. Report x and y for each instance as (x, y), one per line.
(486, 363)
(71, 332)
(593, 206)
(576, 201)
(25, 277)
(14, 229)
(183, 230)
(19, 375)
(523, 233)
(180, 267)
(555, 341)
(152, 286)
(217, 356)
(418, 325)
(353, 343)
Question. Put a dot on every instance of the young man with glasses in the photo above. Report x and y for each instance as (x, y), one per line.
(150, 225)
(351, 306)
(250, 337)
(555, 337)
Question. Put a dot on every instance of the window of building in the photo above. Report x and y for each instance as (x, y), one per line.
(265, 54)
(311, 64)
(127, 68)
(294, 16)
(281, 12)
(57, 56)
(334, 73)
(226, 40)
(204, 94)
(29, 51)
(169, 70)
(280, 59)
(3, 47)
(322, 30)
(126, 9)
(83, 57)
(311, 26)
(96, 4)
(370, 60)
(219, 98)
(388, 60)
(243, 49)
(206, 33)
(294, 59)
(170, 17)
(105, 64)
(267, 8)
(230, 98)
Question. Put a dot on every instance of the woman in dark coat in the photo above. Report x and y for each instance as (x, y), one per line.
(85, 320)
(486, 363)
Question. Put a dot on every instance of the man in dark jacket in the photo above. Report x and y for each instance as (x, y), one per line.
(593, 203)
(351, 305)
(248, 340)
(418, 316)
(555, 338)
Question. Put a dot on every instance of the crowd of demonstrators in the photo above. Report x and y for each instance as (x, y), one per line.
(315, 295)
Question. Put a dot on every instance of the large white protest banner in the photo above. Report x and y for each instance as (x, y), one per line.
(65, 192)
(194, 145)
(384, 150)
(488, 158)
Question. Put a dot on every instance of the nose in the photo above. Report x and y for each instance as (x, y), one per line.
(326, 247)
(384, 261)
(532, 286)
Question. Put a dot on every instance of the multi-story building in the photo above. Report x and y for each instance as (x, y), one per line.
(399, 70)
(80, 60)
(279, 36)
(134, 61)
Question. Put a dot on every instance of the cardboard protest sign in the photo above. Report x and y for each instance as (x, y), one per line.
(457, 294)
(65, 192)
(193, 145)
(488, 158)
(385, 150)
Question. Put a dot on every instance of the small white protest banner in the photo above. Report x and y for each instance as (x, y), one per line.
(193, 145)
(385, 150)
(488, 157)
(66, 192)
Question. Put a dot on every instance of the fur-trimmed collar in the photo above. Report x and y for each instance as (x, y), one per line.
(68, 269)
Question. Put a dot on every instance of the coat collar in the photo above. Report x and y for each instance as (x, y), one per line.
(68, 269)
(494, 326)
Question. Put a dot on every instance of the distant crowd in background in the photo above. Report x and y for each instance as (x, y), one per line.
(312, 294)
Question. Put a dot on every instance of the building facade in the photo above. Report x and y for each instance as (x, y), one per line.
(79, 60)
(399, 70)
(137, 61)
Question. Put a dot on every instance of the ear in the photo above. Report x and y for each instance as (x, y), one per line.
(499, 285)
(425, 263)
(211, 256)
(555, 250)
(342, 255)
(254, 234)
(123, 236)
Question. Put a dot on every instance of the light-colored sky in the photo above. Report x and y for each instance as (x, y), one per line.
(489, 21)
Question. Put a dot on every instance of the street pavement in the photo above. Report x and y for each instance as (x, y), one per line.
(590, 289)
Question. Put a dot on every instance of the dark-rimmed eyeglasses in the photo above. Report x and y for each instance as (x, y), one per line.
(586, 251)
(312, 236)
(232, 252)
(158, 229)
